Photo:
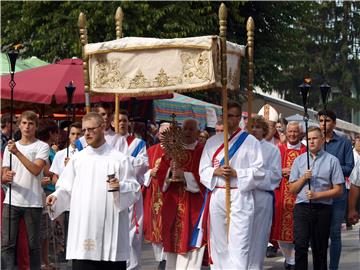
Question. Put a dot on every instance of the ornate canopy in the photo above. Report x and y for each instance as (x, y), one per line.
(135, 66)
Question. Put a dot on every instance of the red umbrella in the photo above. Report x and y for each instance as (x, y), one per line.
(42, 84)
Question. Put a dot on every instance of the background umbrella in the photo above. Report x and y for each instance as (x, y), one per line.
(46, 83)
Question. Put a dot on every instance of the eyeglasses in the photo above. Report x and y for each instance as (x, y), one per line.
(90, 130)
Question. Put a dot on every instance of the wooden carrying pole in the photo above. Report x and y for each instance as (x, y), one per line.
(84, 41)
(222, 21)
(250, 26)
(119, 15)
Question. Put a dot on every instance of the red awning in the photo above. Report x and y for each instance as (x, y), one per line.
(42, 84)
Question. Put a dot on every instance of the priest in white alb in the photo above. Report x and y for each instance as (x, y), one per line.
(98, 236)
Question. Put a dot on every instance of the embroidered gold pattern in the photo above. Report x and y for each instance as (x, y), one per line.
(234, 77)
(139, 81)
(287, 222)
(180, 210)
(195, 67)
(89, 244)
(156, 213)
(107, 74)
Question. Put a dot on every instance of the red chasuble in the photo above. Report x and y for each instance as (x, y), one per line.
(283, 223)
(153, 199)
(181, 208)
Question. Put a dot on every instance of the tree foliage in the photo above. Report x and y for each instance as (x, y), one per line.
(292, 39)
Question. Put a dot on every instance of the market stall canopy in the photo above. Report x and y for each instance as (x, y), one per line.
(47, 83)
(134, 66)
(21, 64)
(186, 107)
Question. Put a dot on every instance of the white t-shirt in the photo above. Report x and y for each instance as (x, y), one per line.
(58, 164)
(26, 187)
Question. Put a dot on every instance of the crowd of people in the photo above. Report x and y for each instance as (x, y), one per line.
(95, 194)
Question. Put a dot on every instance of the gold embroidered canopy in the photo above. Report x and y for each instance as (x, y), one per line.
(134, 66)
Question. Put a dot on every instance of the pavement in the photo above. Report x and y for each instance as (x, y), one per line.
(350, 256)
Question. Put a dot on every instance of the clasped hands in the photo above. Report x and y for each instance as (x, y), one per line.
(225, 171)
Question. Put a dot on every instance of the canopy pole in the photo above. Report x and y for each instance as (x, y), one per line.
(250, 26)
(85, 58)
(119, 15)
(223, 29)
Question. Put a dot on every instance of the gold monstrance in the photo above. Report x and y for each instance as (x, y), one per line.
(173, 145)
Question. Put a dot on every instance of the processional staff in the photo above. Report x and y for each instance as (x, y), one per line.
(119, 15)
(223, 29)
(85, 58)
(305, 89)
(12, 55)
(325, 89)
(250, 27)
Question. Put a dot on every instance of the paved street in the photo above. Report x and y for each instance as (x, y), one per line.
(350, 257)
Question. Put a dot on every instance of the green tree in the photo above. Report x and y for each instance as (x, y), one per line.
(292, 39)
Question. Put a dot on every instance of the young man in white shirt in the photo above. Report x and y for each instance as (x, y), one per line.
(62, 157)
(28, 158)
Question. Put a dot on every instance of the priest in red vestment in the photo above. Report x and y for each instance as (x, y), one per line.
(182, 201)
(153, 199)
(283, 222)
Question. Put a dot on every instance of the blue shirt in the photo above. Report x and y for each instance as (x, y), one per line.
(341, 148)
(326, 172)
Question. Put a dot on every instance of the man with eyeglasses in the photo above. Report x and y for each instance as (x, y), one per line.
(245, 163)
(99, 185)
(104, 110)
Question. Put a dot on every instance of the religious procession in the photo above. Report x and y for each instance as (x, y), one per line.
(242, 183)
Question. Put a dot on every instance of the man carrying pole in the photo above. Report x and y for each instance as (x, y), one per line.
(312, 214)
(29, 157)
(245, 162)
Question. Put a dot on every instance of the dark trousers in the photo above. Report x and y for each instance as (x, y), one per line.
(311, 225)
(32, 218)
(96, 265)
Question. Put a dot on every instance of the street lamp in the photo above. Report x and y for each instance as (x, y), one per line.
(304, 90)
(12, 55)
(70, 89)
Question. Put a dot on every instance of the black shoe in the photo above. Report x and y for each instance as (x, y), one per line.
(162, 265)
(289, 266)
(271, 252)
